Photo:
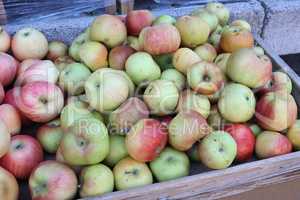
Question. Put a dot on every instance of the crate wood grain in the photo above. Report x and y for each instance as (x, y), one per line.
(216, 184)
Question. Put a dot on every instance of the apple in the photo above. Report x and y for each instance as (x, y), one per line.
(236, 98)
(29, 43)
(190, 100)
(123, 118)
(4, 40)
(244, 138)
(256, 130)
(101, 30)
(205, 78)
(141, 68)
(52, 180)
(206, 52)
(26, 64)
(4, 139)
(293, 134)
(259, 51)
(8, 69)
(130, 173)
(193, 154)
(184, 58)
(73, 77)
(215, 38)
(217, 150)
(2, 93)
(146, 139)
(165, 121)
(118, 55)
(175, 76)
(165, 61)
(9, 185)
(76, 44)
(94, 55)
(276, 111)
(256, 70)
(280, 81)
(49, 135)
(41, 101)
(117, 150)
(170, 164)
(270, 144)
(160, 39)
(220, 11)
(24, 154)
(11, 118)
(85, 143)
(193, 30)
(56, 49)
(215, 120)
(136, 20)
(62, 62)
(164, 19)
(210, 18)
(186, 128)
(134, 43)
(221, 61)
(241, 23)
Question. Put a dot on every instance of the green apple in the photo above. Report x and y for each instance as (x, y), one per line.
(220, 11)
(236, 98)
(75, 45)
(206, 52)
(294, 135)
(215, 37)
(183, 58)
(175, 76)
(215, 120)
(164, 61)
(193, 153)
(134, 43)
(170, 164)
(164, 19)
(242, 23)
(129, 173)
(117, 150)
(218, 150)
(221, 61)
(256, 130)
(96, 180)
(210, 18)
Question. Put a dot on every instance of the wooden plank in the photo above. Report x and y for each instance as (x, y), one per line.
(2, 13)
(126, 6)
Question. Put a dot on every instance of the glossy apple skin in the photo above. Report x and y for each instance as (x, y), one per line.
(8, 69)
(244, 139)
(56, 49)
(41, 101)
(160, 39)
(118, 55)
(270, 144)
(9, 185)
(136, 20)
(52, 180)
(146, 140)
(183, 58)
(4, 139)
(5, 40)
(11, 117)
(2, 93)
(293, 135)
(26, 64)
(24, 155)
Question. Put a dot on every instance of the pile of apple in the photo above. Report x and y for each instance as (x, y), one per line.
(134, 99)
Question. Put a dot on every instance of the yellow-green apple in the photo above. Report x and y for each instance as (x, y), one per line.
(256, 130)
(215, 38)
(170, 164)
(183, 58)
(118, 55)
(41, 101)
(117, 150)
(270, 144)
(164, 61)
(101, 30)
(94, 55)
(193, 154)
(52, 180)
(73, 77)
(256, 70)
(96, 180)
(2, 93)
(24, 154)
(293, 135)
(124, 117)
(214, 98)
(220, 11)
(186, 128)
(193, 30)
(136, 20)
(244, 139)
(190, 100)
(9, 185)
(4, 40)
(146, 139)
(8, 68)
(164, 19)
(76, 44)
(280, 81)
(142, 68)
(259, 51)
(11, 118)
(175, 76)
(106, 89)
(26, 64)
(221, 61)
(4, 139)
(160, 39)
(29, 43)
(60, 158)
(234, 38)
(161, 96)
(49, 135)
(133, 42)
(85, 143)
(206, 52)
(130, 173)
(241, 23)
(276, 111)
(62, 62)
(236, 98)
(217, 150)
(210, 18)
(205, 77)
(215, 120)
(56, 49)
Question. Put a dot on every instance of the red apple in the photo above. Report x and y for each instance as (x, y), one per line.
(4, 40)
(9, 186)
(244, 139)
(8, 68)
(2, 93)
(117, 56)
(4, 139)
(25, 64)
(136, 20)
(25, 153)
(10, 116)
(146, 139)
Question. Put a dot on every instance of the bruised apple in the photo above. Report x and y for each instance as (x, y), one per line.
(183, 58)
(136, 20)
(5, 40)
(117, 56)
